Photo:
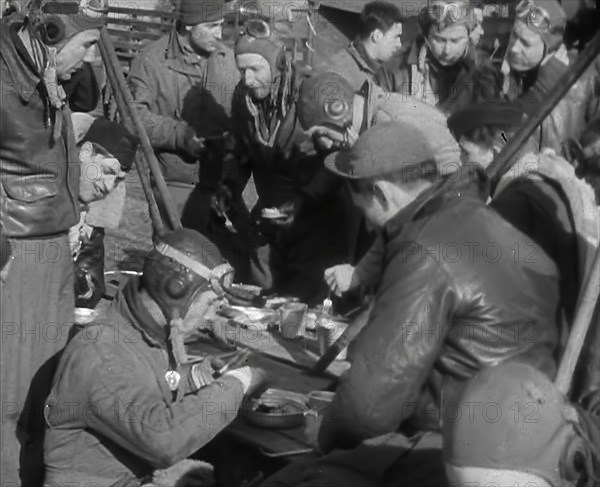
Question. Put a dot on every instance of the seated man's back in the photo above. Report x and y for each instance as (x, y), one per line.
(455, 297)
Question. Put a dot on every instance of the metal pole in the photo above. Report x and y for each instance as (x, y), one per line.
(159, 227)
(581, 324)
(505, 159)
(159, 180)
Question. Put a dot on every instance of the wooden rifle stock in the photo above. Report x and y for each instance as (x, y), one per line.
(128, 111)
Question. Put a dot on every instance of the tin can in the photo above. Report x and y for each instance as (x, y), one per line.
(328, 331)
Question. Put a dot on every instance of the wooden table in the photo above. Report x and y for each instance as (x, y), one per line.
(287, 363)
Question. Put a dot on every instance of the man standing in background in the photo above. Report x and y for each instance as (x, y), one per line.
(182, 86)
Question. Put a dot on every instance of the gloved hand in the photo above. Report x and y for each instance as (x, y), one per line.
(254, 380)
(341, 278)
(202, 373)
(193, 145)
(222, 199)
(290, 210)
(89, 271)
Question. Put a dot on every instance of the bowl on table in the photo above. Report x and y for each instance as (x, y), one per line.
(257, 319)
(275, 409)
(319, 400)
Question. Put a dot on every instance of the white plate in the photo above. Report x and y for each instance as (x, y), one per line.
(272, 213)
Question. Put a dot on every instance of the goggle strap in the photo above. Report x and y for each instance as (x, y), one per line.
(179, 257)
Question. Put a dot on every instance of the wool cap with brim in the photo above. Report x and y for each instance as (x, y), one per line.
(430, 120)
(194, 12)
(503, 114)
(523, 424)
(383, 149)
(115, 139)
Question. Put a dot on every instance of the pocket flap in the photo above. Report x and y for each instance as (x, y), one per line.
(30, 189)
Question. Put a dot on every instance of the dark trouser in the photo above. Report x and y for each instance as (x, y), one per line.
(300, 254)
(37, 315)
(389, 461)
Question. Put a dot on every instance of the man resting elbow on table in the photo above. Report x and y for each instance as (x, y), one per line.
(124, 401)
(452, 300)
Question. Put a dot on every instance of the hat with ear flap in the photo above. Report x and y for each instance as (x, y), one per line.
(521, 427)
(259, 38)
(56, 21)
(441, 14)
(177, 268)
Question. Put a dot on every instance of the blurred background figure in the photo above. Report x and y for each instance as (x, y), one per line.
(372, 53)
(182, 86)
(444, 67)
(536, 57)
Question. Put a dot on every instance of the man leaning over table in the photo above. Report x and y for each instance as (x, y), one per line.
(125, 402)
(439, 315)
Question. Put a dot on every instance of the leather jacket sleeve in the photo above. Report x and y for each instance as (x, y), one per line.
(394, 354)
(369, 268)
(165, 132)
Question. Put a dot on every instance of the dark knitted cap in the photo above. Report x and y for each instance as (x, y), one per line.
(115, 139)
(504, 114)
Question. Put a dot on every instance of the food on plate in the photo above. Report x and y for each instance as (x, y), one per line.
(249, 317)
(277, 302)
(246, 288)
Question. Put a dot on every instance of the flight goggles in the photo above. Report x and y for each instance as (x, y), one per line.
(531, 14)
(256, 28)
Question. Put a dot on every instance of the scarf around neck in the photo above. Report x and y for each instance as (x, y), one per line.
(44, 60)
